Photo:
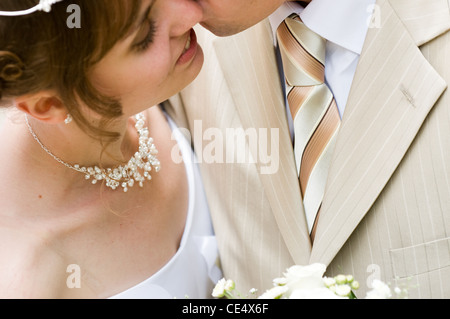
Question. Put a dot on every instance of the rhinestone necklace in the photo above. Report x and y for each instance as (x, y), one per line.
(137, 170)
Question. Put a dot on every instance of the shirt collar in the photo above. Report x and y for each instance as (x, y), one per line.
(343, 22)
(282, 13)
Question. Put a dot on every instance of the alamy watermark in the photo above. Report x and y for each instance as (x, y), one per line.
(374, 20)
(74, 19)
(74, 279)
(374, 272)
(259, 146)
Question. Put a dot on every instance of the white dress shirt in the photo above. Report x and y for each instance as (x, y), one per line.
(344, 24)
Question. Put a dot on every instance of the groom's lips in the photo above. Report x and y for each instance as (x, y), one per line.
(190, 49)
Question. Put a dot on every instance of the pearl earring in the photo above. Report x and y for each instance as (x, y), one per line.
(68, 119)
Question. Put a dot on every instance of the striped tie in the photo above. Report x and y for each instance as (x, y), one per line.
(313, 108)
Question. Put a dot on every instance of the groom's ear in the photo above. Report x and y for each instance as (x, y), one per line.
(44, 106)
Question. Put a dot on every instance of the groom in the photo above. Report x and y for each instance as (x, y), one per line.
(384, 210)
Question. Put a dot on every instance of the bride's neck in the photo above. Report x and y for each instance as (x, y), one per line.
(72, 145)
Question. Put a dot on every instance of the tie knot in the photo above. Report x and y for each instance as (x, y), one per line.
(302, 51)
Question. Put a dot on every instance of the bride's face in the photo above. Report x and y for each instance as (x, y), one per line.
(156, 60)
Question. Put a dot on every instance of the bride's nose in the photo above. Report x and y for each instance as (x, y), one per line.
(185, 15)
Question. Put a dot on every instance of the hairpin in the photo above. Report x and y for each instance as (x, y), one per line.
(44, 5)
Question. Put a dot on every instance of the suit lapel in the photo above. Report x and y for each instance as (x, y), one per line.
(425, 20)
(249, 64)
(393, 91)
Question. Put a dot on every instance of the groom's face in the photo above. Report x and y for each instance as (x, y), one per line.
(227, 17)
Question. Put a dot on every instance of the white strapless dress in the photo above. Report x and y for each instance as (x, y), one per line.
(193, 271)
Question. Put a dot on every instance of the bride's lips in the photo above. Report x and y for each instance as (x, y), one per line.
(190, 49)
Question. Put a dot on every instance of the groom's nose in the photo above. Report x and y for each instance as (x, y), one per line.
(186, 14)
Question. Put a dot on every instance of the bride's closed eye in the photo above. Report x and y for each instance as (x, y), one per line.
(143, 44)
(147, 30)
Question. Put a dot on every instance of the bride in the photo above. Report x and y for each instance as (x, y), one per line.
(93, 205)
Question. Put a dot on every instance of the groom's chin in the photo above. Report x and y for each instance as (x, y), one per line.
(222, 30)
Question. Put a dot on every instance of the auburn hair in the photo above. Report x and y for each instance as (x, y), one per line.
(40, 51)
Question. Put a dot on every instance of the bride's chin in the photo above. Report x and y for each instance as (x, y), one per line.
(198, 62)
(194, 68)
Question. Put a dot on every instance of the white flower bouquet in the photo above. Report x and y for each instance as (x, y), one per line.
(308, 282)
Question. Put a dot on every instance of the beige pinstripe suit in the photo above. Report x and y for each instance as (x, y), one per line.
(386, 210)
